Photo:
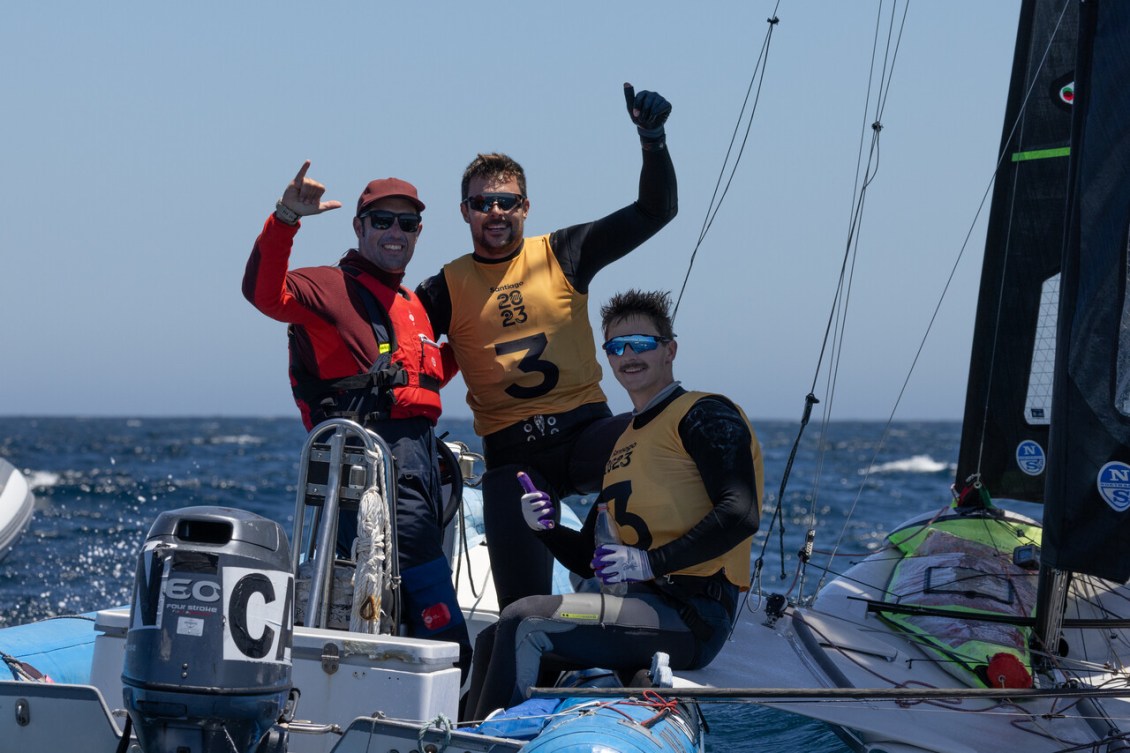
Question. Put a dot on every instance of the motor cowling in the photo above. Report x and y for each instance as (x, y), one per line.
(207, 665)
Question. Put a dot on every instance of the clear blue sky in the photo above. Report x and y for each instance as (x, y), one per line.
(145, 143)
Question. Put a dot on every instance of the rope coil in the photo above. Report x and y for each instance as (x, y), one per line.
(374, 566)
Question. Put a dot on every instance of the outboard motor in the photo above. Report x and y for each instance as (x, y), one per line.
(207, 664)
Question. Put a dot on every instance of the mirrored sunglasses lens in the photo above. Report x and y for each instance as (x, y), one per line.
(614, 348)
(409, 223)
(638, 344)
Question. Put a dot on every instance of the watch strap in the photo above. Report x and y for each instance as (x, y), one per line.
(286, 214)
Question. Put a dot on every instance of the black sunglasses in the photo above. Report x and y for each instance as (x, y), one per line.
(409, 222)
(484, 201)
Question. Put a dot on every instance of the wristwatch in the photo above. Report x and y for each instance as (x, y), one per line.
(286, 214)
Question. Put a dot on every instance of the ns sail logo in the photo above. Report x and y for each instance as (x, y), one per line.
(1114, 485)
(1031, 458)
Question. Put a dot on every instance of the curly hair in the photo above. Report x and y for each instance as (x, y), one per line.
(494, 165)
(654, 305)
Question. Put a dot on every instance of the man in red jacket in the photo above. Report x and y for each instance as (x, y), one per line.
(361, 347)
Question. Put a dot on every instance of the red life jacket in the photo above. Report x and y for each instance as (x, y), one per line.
(402, 382)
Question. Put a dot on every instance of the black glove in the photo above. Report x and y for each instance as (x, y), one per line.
(653, 111)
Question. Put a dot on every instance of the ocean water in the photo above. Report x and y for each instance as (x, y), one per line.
(100, 482)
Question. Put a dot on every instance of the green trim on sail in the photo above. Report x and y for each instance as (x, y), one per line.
(1032, 154)
(1001, 535)
(967, 661)
(972, 555)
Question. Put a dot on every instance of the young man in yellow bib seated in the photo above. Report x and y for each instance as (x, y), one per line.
(684, 485)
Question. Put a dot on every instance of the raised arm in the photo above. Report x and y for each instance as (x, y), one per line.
(583, 250)
(265, 277)
(303, 196)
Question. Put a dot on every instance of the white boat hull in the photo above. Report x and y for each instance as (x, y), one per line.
(837, 643)
(16, 505)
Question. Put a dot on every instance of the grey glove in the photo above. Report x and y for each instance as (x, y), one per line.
(617, 563)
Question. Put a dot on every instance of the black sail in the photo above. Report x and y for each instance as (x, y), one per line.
(1008, 403)
(1086, 520)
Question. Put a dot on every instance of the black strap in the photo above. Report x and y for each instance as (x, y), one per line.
(123, 743)
(378, 316)
(699, 629)
(362, 397)
(680, 589)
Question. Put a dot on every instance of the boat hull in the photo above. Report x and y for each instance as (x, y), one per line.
(341, 676)
(838, 643)
(391, 687)
(16, 506)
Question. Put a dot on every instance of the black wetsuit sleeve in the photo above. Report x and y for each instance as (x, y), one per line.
(583, 250)
(436, 299)
(718, 440)
(573, 549)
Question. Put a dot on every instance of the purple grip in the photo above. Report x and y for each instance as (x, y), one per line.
(526, 483)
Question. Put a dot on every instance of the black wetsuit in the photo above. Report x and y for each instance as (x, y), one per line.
(687, 617)
(571, 460)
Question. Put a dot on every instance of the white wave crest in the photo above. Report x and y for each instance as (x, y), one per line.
(42, 479)
(240, 439)
(914, 464)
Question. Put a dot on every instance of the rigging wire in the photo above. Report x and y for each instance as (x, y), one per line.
(949, 280)
(757, 78)
(870, 171)
(831, 345)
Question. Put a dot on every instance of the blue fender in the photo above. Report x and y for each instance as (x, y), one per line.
(590, 725)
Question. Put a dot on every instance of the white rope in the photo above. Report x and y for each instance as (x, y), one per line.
(374, 567)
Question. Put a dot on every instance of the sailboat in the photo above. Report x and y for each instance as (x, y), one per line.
(983, 628)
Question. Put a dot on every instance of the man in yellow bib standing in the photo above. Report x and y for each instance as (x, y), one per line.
(684, 486)
(515, 311)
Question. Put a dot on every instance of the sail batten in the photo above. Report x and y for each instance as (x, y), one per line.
(1062, 151)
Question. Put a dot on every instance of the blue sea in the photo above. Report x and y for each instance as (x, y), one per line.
(100, 482)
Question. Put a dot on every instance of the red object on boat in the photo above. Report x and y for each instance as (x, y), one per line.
(1006, 671)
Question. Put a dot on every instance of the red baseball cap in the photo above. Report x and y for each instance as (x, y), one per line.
(385, 187)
